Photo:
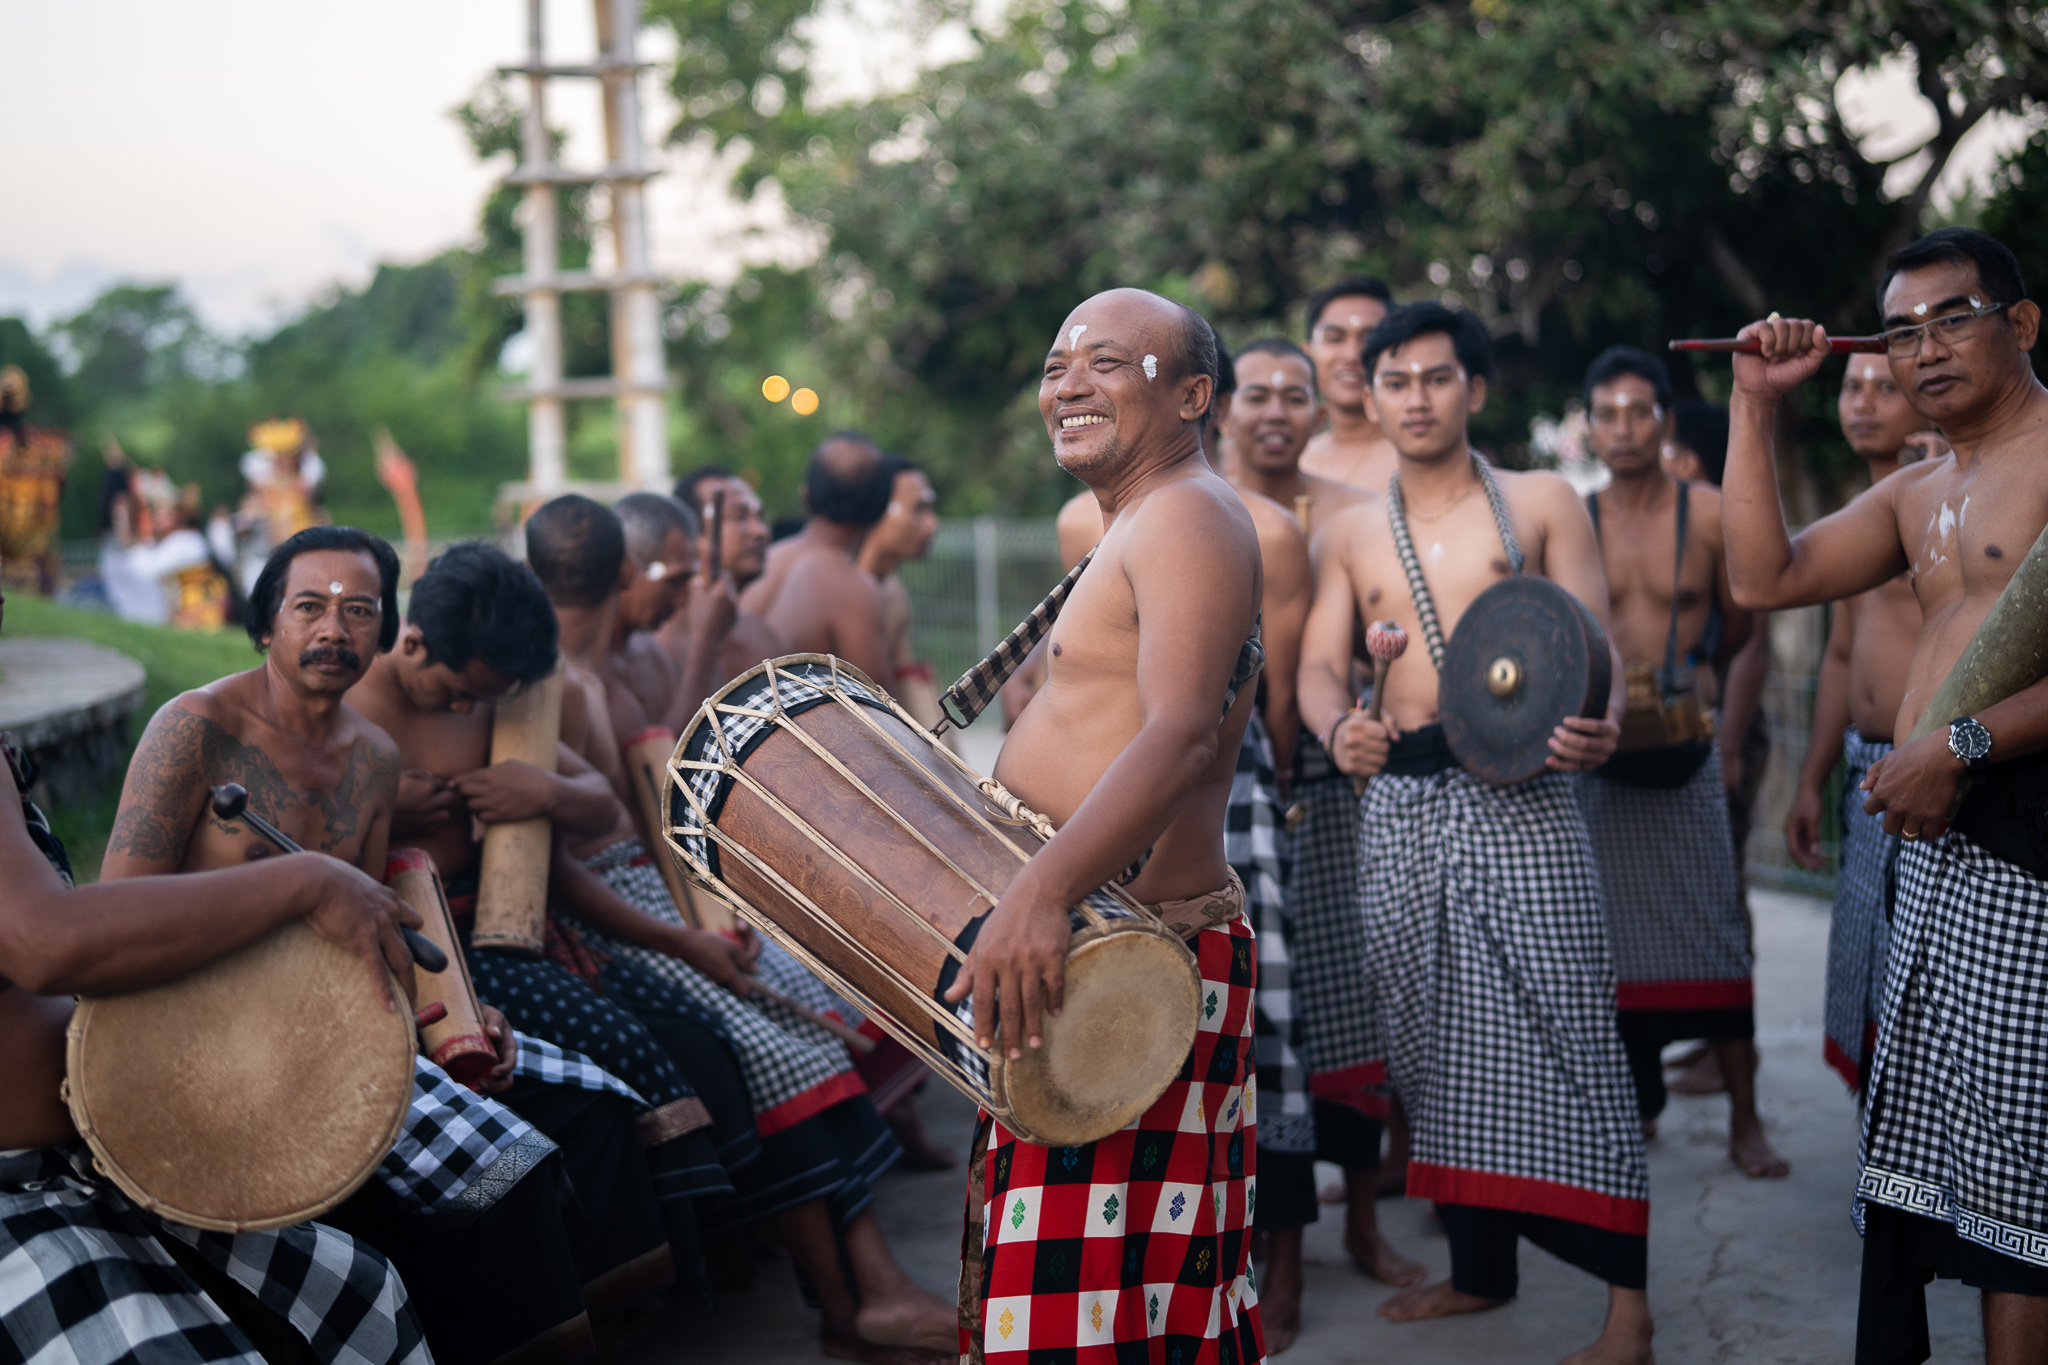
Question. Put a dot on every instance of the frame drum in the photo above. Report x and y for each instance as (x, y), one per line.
(836, 825)
(258, 1091)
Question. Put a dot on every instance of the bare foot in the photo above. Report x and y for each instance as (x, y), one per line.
(1375, 1256)
(1625, 1340)
(1280, 1283)
(1332, 1193)
(1688, 1057)
(1749, 1149)
(842, 1342)
(1649, 1129)
(914, 1319)
(1703, 1077)
(1392, 1181)
(1438, 1300)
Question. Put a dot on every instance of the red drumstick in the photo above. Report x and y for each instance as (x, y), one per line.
(1385, 642)
(1751, 346)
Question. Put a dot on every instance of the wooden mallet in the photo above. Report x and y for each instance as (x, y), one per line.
(1385, 642)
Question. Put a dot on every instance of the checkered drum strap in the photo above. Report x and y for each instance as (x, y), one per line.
(978, 686)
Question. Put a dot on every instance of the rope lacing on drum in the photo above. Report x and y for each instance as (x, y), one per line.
(1404, 546)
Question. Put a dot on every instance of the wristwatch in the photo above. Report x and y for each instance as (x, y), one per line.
(1969, 741)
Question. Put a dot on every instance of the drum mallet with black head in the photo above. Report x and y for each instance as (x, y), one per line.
(1385, 642)
(231, 802)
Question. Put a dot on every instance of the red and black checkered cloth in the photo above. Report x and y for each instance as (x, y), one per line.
(1132, 1248)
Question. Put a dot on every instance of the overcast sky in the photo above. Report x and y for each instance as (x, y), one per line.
(259, 152)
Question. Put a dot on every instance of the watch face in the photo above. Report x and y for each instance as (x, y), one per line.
(1969, 740)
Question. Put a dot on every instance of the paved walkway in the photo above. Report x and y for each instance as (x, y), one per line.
(1740, 1270)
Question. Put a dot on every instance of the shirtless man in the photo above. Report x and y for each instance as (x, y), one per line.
(1485, 937)
(1948, 1188)
(1272, 421)
(743, 553)
(660, 582)
(1130, 749)
(1862, 683)
(478, 627)
(1657, 811)
(904, 534)
(1354, 450)
(323, 606)
(81, 1258)
(814, 592)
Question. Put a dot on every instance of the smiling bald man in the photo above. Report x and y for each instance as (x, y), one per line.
(1136, 1242)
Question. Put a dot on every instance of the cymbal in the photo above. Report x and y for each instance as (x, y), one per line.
(1525, 655)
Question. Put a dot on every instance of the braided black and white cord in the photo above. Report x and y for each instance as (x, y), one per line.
(1404, 546)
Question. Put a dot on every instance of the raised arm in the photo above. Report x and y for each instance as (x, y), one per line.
(710, 611)
(1838, 556)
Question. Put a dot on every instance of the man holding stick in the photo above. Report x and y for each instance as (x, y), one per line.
(1954, 1144)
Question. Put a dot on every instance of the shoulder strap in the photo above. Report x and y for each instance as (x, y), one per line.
(1593, 510)
(978, 686)
(1669, 677)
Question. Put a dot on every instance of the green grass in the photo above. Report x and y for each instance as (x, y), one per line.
(173, 661)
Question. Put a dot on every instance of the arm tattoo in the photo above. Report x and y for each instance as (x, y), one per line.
(155, 819)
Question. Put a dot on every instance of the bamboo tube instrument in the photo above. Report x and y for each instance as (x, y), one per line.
(512, 883)
(456, 1041)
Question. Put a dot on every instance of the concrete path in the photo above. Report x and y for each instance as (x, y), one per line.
(1740, 1270)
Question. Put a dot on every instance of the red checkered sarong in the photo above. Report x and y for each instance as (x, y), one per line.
(1133, 1247)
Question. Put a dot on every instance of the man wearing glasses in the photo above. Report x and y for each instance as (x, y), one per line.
(1955, 1143)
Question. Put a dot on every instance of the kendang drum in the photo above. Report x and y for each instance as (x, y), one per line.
(1525, 655)
(258, 1091)
(831, 821)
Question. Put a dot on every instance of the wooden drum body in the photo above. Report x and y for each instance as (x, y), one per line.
(258, 1091)
(831, 821)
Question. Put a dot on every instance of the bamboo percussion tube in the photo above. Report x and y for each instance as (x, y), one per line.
(646, 756)
(512, 883)
(2008, 654)
(456, 1041)
(1751, 346)
(1301, 510)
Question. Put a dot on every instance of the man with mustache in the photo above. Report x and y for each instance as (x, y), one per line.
(1954, 1151)
(494, 1267)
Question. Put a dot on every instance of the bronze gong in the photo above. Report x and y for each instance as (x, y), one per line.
(1525, 655)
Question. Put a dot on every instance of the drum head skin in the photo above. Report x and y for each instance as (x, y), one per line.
(261, 1090)
(1132, 1005)
(1525, 655)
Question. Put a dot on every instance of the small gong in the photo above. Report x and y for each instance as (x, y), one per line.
(1525, 655)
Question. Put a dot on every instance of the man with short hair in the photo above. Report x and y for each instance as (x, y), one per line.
(91, 1278)
(1272, 420)
(1862, 685)
(743, 552)
(902, 536)
(1657, 810)
(1484, 931)
(663, 546)
(1353, 450)
(813, 590)
(322, 607)
(1953, 1156)
(1135, 1244)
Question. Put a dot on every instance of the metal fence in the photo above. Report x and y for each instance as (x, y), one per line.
(983, 575)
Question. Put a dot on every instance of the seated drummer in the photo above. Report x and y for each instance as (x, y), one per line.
(89, 1277)
(504, 1271)
(478, 625)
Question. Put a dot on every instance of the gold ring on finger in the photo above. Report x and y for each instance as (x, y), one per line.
(1908, 836)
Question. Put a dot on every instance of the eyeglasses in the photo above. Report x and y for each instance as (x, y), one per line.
(1949, 329)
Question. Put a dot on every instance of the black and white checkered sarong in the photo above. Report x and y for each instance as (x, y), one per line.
(1488, 948)
(793, 1068)
(1954, 1127)
(1255, 845)
(1857, 932)
(459, 1151)
(1340, 1027)
(84, 1280)
(1667, 868)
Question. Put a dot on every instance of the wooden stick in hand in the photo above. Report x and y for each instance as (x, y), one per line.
(1385, 642)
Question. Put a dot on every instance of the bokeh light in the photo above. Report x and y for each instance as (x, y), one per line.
(775, 388)
(804, 401)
